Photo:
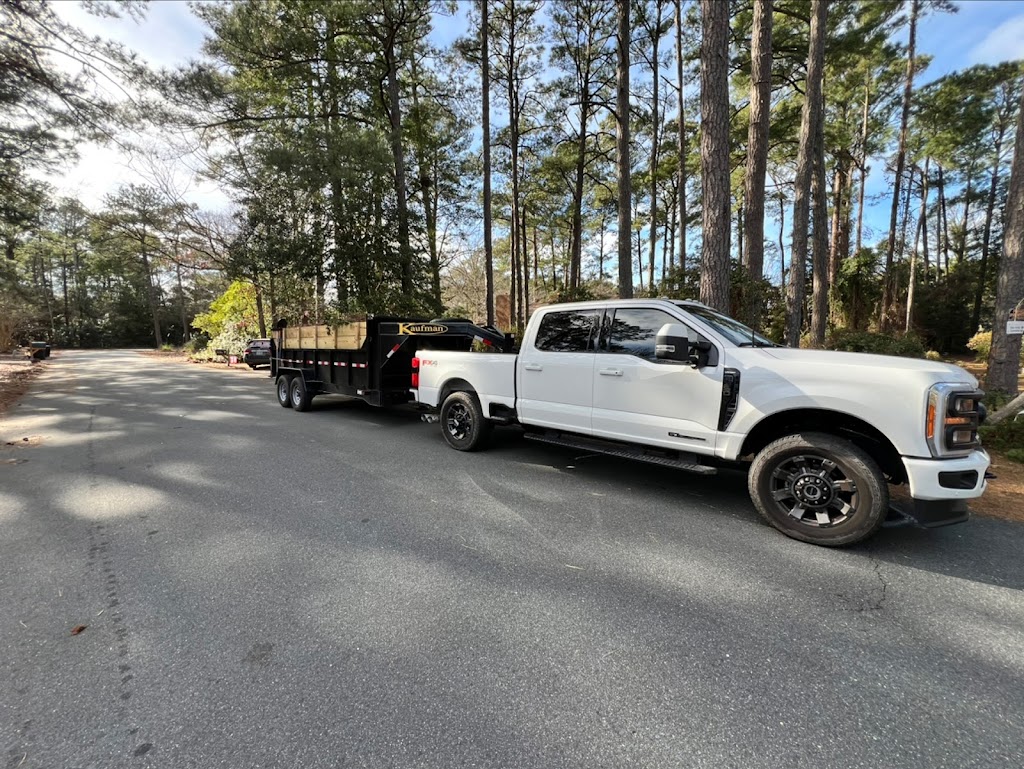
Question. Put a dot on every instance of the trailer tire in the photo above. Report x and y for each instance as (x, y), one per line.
(299, 395)
(819, 488)
(463, 423)
(283, 387)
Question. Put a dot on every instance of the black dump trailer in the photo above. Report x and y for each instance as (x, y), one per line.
(369, 359)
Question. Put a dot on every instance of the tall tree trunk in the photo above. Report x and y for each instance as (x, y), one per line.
(809, 119)
(514, 110)
(655, 137)
(961, 250)
(987, 232)
(757, 153)
(486, 128)
(150, 295)
(846, 221)
(944, 221)
(524, 304)
(782, 245)
(888, 284)
(681, 137)
(640, 261)
(913, 275)
(924, 218)
(181, 307)
(622, 154)
(1004, 356)
(429, 194)
(576, 238)
(863, 163)
(670, 237)
(398, 151)
(906, 220)
(740, 211)
(261, 318)
(820, 254)
(838, 187)
(714, 154)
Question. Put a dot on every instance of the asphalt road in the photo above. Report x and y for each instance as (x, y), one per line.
(263, 588)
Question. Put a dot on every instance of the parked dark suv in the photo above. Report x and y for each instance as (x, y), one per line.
(257, 353)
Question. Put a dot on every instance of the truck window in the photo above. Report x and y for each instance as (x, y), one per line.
(633, 331)
(570, 331)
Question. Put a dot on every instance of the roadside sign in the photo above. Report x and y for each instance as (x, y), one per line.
(1014, 327)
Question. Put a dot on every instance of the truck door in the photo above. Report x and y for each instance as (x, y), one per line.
(640, 399)
(556, 371)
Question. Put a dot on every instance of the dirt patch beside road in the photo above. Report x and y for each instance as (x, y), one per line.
(15, 378)
(180, 357)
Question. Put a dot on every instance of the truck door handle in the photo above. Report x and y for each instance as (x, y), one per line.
(610, 372)
(533, 367)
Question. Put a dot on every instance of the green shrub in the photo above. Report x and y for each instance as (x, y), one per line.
(232, 339)
(1006, 436)
(1017, 455)
(196, 344)
(932, 355)
(981, 343)
(904, 345)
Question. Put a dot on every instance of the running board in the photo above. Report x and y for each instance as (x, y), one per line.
(687, 462)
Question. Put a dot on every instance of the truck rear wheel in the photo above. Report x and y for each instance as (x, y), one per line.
(463, 423)
(299, 395)
(819, 488)
(283, 388)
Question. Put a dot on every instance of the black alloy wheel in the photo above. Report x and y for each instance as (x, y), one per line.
(819, 488)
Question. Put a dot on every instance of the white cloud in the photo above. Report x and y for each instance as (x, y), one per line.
(169, 36)
(1004, 43)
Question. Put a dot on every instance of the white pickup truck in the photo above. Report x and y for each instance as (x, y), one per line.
(677, 384)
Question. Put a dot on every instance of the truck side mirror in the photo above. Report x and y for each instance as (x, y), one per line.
(672, 344)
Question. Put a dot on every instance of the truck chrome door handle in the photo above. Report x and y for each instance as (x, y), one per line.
(533, 367)
(610, 372)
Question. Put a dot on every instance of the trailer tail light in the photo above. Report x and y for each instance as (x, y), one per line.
(415, 373)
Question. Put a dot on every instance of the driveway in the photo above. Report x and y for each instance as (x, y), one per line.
(262, 588)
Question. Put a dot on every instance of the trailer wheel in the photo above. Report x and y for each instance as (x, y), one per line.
(819, 488)
(299, 395)
(283, 390)
(463, 423)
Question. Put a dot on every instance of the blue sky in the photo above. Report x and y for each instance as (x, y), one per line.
(983, 31)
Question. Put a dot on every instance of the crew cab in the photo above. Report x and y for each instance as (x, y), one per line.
(824, 434)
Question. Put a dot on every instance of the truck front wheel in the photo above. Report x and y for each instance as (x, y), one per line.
(819, 488)
(463, 423)
(283, 387)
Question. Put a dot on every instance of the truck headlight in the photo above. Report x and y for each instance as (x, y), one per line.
(952, 418)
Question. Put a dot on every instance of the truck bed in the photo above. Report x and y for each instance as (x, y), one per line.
(493, 377)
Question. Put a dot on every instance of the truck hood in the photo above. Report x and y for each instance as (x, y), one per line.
(886, 367)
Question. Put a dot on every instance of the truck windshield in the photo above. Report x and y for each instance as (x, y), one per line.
(731, 329)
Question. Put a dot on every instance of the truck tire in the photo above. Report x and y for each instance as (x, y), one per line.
(283, 387)
(463, 423)
(299, 395)
(819, 488)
